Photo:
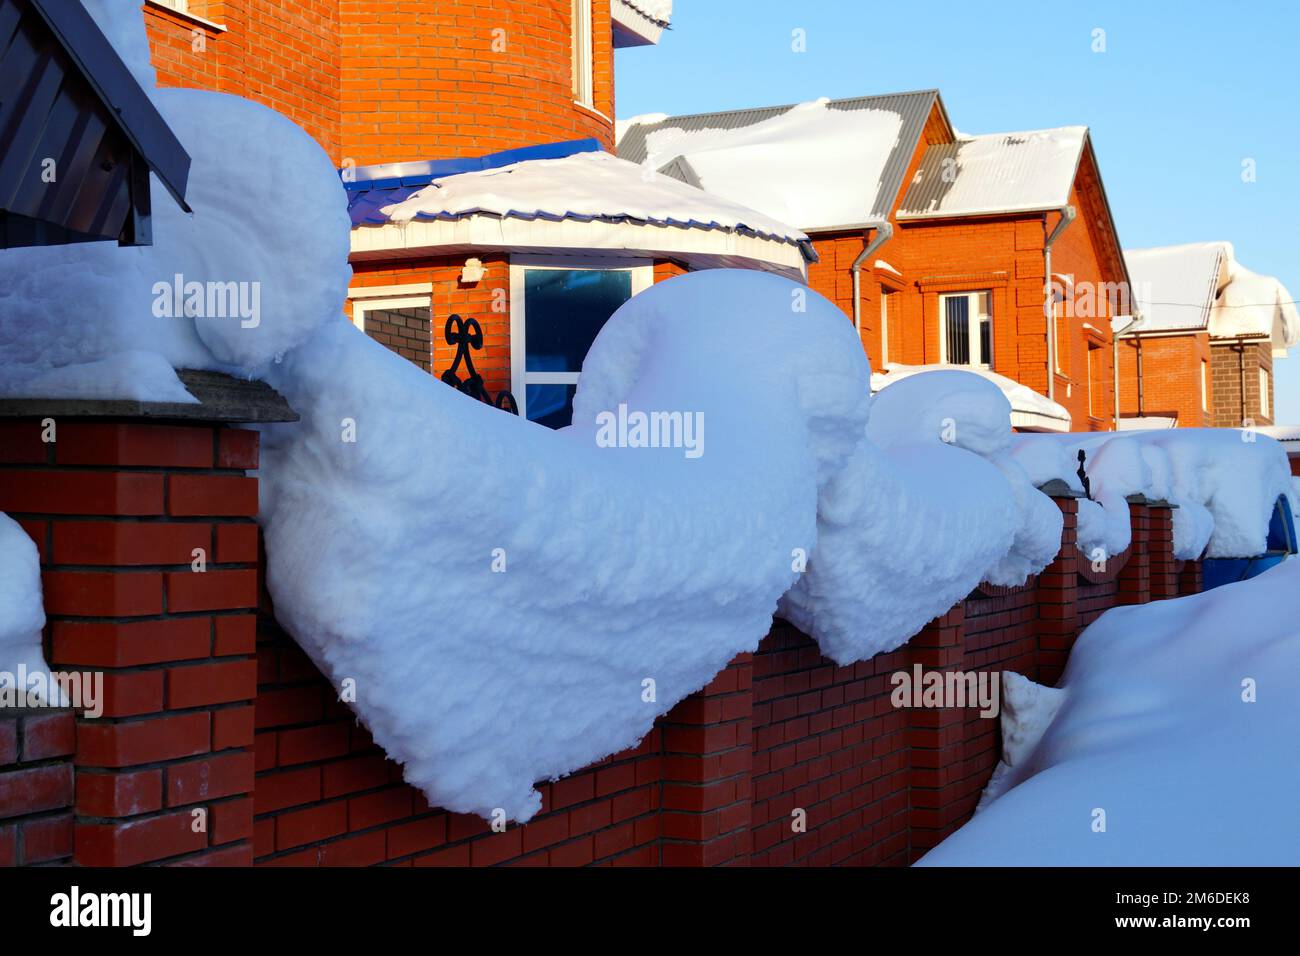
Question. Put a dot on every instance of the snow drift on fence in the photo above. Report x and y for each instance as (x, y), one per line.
(22, 615)
(507, 603)
(1224, 482)
(514, 603)
(1179, 724)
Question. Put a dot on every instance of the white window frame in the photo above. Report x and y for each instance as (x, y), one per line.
(1205, 385)
(973, 322)
(1092, 377)
(584, 68)
(642, 271)
(884, 325)
(392, 297)
(1264, 404)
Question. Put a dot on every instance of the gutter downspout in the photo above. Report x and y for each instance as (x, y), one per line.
(1114, 362)
(1049, 307)
(884, 231)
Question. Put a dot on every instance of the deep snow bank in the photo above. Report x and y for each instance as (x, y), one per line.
(1154, 732)
(1223, 480)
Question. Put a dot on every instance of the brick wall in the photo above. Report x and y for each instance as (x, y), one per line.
(781, 735)
(392, 80)
(1234, 375)
(36, 779)
(221, 743)
(285, 54)
(118, 510)
(1171, 378)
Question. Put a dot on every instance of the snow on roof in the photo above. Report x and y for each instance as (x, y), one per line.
(1174, 287)
(1029, 409)
(585, 187)
(820, 165)
(639, 22)
(1201, 285)
(999, 172)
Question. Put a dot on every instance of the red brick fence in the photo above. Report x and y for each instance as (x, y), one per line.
(220, 743)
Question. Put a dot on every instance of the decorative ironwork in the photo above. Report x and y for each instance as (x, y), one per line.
(1083, 476)
(467, 336)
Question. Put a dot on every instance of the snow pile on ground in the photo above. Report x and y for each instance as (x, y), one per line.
(1028, 709)
(625, 578)
(1029, 409)
(584, 186)
(811, 166)
(98, 320)
(1179, 725)
(1224, 482)
(22, 615)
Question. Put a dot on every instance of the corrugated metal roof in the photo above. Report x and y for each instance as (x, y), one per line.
(998, 172)
(912, 108)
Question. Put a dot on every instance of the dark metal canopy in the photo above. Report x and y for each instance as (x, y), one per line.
(78, 134)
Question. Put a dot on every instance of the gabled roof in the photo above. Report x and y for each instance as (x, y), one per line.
(996, 173)
(1201, 286)
(820, 165)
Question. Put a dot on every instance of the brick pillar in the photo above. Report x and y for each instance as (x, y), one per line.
(1057, 598)
(708, 759)
(937, 737)
(1134, 582)
(1189, 578)
(124, 511)
(1160, 545)
(35, 786)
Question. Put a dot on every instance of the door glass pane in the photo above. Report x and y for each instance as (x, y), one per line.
(550, 405)
(986, 341)
(563, 311)
(956, 314)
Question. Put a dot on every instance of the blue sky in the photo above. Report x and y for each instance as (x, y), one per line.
(1183, 93)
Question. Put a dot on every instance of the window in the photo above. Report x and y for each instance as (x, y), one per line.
(557, 308)
(885, 296)
(966, 329)
(582, 54)
(1264, 397)
(400, 322)
(1205, 385)
(1094, 380)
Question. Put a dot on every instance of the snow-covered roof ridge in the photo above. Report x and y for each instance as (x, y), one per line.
(996, 172)
(1202, 286)
(639, 22)
(1029, 409)
(584, 186)
(660, 11)
(821, 164)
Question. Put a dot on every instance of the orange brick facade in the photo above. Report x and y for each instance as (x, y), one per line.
(1003, 255)
(378, 81)
(1173, 369)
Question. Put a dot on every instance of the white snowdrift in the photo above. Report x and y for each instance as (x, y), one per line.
(22, 615)
(1224, 482)
(1028, 709)
(622, 565)
(626, 578)
(1154, 731)
(268, 211)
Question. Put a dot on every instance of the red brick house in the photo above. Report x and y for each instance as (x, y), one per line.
(472, 140)
(937, 244)
(1202, 352)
